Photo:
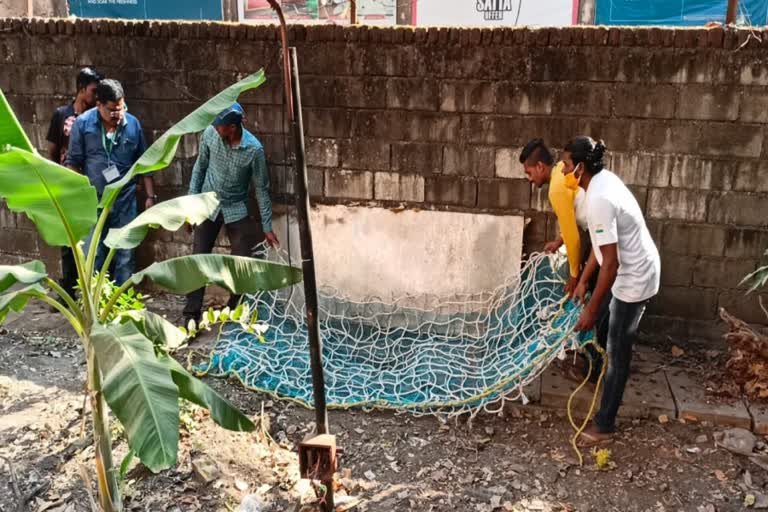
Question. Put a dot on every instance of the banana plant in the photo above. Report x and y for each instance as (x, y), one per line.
(129, 369)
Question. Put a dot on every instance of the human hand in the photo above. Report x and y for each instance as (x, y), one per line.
(553, 246)
(580, 293)
(149, 203)
(272, 239)
(571, 285)
(587, 320)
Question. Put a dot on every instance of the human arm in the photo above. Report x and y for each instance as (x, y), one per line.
(76, 151)
(201, 165)
(147, 180)
(562, 200)
(603, 226)
(608, 271)
(261, 185)
(580, 292)
(553, 246)
(54, 138)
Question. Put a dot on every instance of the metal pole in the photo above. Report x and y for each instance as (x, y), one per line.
(307, 255)
(733, 8)
(293, 103)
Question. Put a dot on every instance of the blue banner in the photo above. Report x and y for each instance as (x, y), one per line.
(148, 9)
(678, 12)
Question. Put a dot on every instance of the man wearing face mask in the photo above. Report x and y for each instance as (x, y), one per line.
(230, 158)
(630, 271)
(105, 143)
(565, 198)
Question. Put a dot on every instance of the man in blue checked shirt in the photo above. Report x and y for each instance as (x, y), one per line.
(229, 158)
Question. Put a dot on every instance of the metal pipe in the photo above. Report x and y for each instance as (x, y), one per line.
(733, 9)
(308, 267)
(293, 101)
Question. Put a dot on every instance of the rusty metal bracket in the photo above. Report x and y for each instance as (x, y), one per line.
(317, 457)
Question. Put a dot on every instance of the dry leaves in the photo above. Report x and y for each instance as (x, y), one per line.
(748, 362)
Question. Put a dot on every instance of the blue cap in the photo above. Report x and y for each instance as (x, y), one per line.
(230, 115)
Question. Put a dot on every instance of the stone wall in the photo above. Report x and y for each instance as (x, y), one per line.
(434, 118)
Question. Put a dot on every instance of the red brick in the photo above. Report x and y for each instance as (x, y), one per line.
(469, 160)
(504, 194)
(451, 190)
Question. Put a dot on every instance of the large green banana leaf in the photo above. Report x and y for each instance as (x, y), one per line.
(223, 412)
(169, 215)
(17, 299)
(155, 328)
(47, 192)
(26, 273)
(140, 392)
(161, 153)
(237, 274)
(11, 133)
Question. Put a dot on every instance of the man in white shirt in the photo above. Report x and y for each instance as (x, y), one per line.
(630, 271)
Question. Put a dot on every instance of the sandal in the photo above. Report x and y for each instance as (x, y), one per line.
(590, 437)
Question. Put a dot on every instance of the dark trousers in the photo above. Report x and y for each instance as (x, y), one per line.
(623, 321)
(68, 279)
(205, 238)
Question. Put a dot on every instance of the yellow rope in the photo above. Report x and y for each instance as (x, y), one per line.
(580, 429)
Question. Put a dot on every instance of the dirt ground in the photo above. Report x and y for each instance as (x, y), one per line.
(518, 460)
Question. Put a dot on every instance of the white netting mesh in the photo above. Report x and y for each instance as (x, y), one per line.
(420, 353)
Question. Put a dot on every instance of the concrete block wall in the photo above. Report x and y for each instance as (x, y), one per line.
(434, 118)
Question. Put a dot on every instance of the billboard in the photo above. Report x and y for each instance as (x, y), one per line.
(491, 13)
(677, 12)
(148, 9)
(371, 12)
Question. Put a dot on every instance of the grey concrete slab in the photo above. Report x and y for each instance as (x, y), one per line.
(693, 403)
(646, 395)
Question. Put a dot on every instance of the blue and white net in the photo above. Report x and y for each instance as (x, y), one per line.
(423, 354)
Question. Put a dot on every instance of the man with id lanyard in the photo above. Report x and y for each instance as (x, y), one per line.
(105, 142)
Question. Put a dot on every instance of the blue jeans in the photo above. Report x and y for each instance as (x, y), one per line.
(624, 319)
(122, 213)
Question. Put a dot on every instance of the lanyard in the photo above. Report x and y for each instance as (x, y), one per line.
(112, 142)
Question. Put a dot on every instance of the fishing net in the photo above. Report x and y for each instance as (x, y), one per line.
(425, 354)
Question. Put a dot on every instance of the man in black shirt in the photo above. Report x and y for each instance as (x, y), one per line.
(58, 142)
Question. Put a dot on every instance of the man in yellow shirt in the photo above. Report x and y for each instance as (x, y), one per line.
(540, 168)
